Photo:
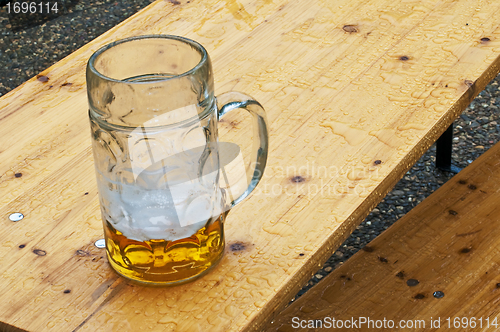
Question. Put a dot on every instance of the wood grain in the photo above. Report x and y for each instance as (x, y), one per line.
(355, 92)
(448, 243)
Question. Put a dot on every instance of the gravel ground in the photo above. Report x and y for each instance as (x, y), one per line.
(29, 45)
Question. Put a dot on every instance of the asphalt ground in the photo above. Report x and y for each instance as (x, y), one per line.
(30, 44)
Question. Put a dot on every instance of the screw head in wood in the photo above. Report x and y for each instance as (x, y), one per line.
(16, 216)
(101, 244)
(438, 294)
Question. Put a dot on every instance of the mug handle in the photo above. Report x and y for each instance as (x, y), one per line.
(230, 101)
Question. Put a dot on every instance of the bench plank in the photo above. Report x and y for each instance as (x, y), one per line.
(449, 243)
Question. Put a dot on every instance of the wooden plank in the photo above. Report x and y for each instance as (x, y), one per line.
(355, 92)
(449, 243)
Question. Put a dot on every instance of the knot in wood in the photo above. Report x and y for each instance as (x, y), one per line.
(39, 252)
(237, 246)
(351, 28)
(297, 179)
(42, 78)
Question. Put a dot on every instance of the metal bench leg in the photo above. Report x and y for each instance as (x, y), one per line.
(443, 152)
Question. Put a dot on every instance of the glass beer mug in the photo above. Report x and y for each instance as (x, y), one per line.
(165, 182)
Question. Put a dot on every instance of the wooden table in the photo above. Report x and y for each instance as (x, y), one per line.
(355, 92)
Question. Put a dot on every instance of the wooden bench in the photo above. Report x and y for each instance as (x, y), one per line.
(439, 262)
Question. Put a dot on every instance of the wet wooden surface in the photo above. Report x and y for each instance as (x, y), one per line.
(355, 92)
(439, 263)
